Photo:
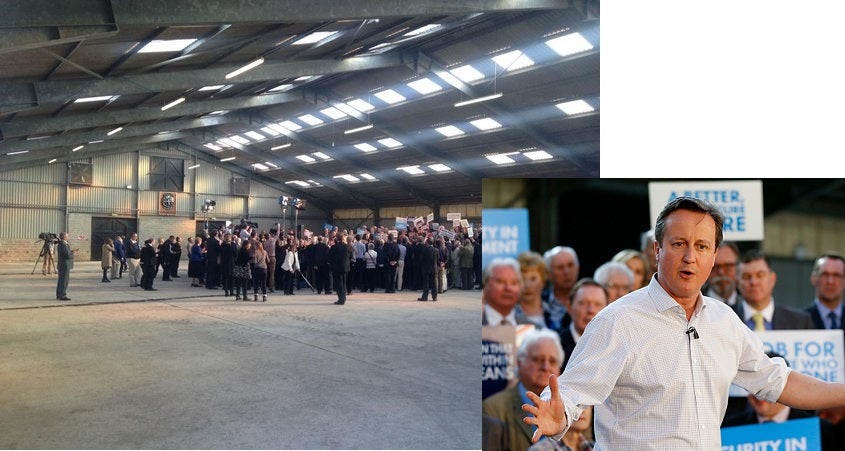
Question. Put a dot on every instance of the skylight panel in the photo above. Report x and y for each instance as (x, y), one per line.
(425, 86)
(485, 124)
(413, 170)
(298, 182)
(467, 73)
(365, 147)
(569, 44)
(390, 96)
(439, 167)
(360, 105)
(166, 45)
(538, 155)
(281, 87)
(575, 107)
(500, 158)
(239, 139)
(228, 142)
(310, 119)
(321, 155)
(271, 165)
(255, 135)
(449, 131)
(348, 177)
(423, 29)
(93, 99)
(316, 36)
(513, 60)
(211, 88)
(260, 166)
(333, 112)
(290, 125)
(367, 176)
(306, 158)
(390, 142)
(213, 147)
(279, 128)
(270, 131)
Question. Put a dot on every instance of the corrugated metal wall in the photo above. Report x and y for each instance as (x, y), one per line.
(27, 223)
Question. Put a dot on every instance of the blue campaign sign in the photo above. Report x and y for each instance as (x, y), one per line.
(504, 233)
(793, 435)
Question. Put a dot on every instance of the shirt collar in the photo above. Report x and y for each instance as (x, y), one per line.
(663, 301)
(494, 317)
(767, 311)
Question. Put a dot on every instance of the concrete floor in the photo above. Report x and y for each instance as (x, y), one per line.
(184, 368)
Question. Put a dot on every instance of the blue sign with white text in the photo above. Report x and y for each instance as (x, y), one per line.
(793, 435)
(504, 233)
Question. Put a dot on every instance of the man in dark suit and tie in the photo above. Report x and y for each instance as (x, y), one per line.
(588, 298)
(64, 265)
(340, 257)
(428, 268)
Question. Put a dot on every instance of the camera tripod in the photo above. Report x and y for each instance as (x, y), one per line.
(48, 259)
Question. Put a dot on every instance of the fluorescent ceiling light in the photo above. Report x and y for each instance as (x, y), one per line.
(271, 164)
(78, 147)
(255, 135)
(217, 113)
(283, 146)
(211, 88)
(95, 141)
(270, 131)
(18, 152)
(569, 44)
(439, 167)
(282, 87)
(333, 112)
(423, 29)
(313, 182)
(538, 155)
(367, 176)
(449, 130)
(425, 86)
(379, 46)
(114, 131)
(227, 159)
(239, 139)
(467, 73)
(299, 182)
(290, 125)
(93, 99)
(359, 129)
(390, 142)
(500, 158)
(314, 37)
(306, 158)
(51, 161)
(575, 107)
(513, 60)
(321, 155)
(213, 147)
(173, 103)
(33, 138)
(303, 78)
(414, 170)
(310, 119)
(166, 45)
(243, 69)
(390, 96)
(485, 124)
(260, 166)
(478, 99)
(194, 166)
(365, 147)
(348, 177)
(360, 105)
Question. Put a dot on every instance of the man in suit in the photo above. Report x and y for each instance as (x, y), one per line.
(320, 262)
(428, 268)
(722, 281)
(563, 268)
(212, 265)
(539, 356)
(391, 255)
(64, 265)
(588, 298)
(148, 265)
(340, 256)
(133, 260)
(758, 308)
(502, 281)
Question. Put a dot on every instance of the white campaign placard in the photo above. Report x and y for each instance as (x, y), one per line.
(741, 202)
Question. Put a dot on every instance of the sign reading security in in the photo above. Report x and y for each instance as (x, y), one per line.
(741, 202)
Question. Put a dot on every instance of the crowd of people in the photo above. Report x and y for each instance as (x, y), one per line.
(244, 258)
(630, 341)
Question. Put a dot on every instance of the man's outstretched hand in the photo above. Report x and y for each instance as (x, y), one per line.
(549, 416)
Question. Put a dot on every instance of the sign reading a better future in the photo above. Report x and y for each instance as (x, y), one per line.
(741, 202)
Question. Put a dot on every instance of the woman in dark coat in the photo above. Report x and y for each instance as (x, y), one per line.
(242, 271)
(227, 263)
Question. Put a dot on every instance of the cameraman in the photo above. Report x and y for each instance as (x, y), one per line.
(64, 265)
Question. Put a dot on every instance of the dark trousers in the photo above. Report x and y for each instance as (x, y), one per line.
(174, 266)
(358, 269)
(466, 278)
(321, 282)
(61, 286)
(369, 279)
(241, 287)
(211, 274)
(165, 270)
(428, 284)
(340, 286)
(147, 277)
(390, 280)
(288, 281)
(228, 283)
(259, 280)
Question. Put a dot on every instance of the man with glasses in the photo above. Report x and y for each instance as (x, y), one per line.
(722, 281)
(828, 278)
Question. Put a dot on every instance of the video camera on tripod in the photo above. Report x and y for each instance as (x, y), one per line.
(48, 237)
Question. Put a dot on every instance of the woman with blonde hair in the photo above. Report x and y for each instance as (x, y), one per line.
(105, 261)
(637, 263)
(534, 277)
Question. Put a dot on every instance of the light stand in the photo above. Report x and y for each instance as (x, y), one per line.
(283, 202)
(298, 204)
